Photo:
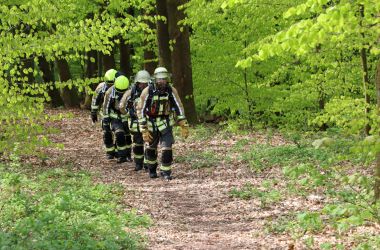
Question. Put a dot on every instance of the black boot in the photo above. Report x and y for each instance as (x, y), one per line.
(138, 166)
(121, 159)
(166, 174)
(153, 172)
(146, 168)
(110, 155)
(129, 155)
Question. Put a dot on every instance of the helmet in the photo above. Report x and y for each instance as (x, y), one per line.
(161, 72)
(121, 83)
(110, 75)
(142, 76)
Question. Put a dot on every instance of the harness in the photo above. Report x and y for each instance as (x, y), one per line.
(158, 103)
(114, 106)
(158, 108)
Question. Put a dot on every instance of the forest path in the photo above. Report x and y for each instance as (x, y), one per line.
(192, 211)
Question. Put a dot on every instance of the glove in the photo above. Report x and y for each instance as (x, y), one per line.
(94, 116)
(147, 136)
(184, 128)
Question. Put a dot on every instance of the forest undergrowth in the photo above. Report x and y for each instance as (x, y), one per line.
(231, 189)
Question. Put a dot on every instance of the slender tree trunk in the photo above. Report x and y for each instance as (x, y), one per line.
(69, 96)
(181, 59)
(246, 90)
(100, 64)
(91, 71)
(377, 167)
(363, 56)
(125, 58)
(150, 58)
(48, 77)
(164, 53)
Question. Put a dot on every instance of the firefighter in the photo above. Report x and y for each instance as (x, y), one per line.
(116, 120)
(97, 100)
(128, 106)
(154, 110)
(128, 136)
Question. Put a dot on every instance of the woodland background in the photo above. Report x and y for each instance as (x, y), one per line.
(305, 71)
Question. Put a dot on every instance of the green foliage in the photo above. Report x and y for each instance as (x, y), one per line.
(310, 221)
(61, 209)
(53, 30)
(314, 61)
(200, 159)
(279, 225)
(346, 113)
(266, 194)
(261, 157)
(331, 177)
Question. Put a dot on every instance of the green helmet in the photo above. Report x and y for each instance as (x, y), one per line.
(121, 83)
(110, 76)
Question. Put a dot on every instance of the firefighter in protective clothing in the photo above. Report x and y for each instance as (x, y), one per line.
(154, 110)
(97, 100)
(128, 106)
(117, 121)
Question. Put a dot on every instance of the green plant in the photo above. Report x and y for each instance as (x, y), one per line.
(266, 194)
(281, 224)
(62, 209)
(200, 159)
(261, 156)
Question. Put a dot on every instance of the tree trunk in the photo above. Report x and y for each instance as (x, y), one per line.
(246, 91)
(100, 64)
(109, 61)
(377, 167)
(91, 72)
(27, 64)
(181, 60)
(150, 58)
(70, 96)
(363, 56)
(125, 58)
(164, 53)
(48, 77)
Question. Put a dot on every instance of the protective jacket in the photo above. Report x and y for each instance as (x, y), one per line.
(128, 106)
(111, 105)
(155, 108)
(98, 97)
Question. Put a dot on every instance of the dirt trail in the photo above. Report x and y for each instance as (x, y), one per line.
(193, 211)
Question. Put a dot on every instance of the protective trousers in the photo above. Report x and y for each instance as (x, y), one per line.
(108, 139)
(118, 129)
(138, 148)
(128, 138)
(166, 140)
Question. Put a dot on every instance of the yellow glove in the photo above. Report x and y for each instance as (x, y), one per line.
(147, 136)
(184, 128)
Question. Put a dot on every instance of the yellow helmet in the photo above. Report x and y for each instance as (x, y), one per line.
(121, 83)
(110, 76)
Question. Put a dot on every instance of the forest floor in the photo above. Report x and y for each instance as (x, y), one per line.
(195, 210)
